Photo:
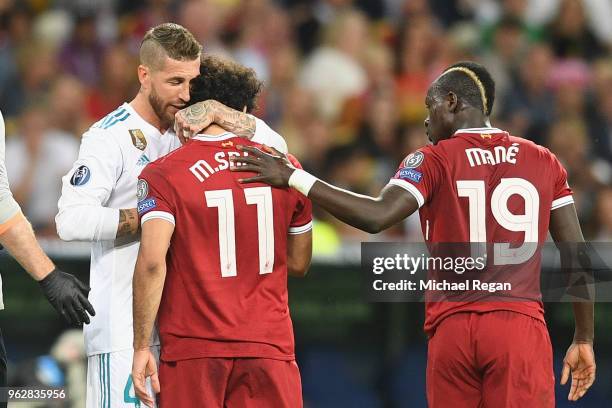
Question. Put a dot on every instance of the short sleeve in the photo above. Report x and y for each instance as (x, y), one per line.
(562, 194)
(154, 196)
(264, 134)
(419, 174)
(301, 221)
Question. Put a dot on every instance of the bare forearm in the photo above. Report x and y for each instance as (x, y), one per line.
(584, 320)
(364, 212)
(128, 222)
(238, 123)
(229, 119)
(148, 286)
(360, 211)
(21, 243)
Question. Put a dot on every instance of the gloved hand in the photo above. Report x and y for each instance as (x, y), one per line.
(68, 295)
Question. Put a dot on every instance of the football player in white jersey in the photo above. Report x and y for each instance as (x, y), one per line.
(98, 201)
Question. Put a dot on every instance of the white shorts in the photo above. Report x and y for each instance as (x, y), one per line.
(109, 380)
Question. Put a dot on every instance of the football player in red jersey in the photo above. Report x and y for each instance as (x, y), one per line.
(220, 252)
(475, 183)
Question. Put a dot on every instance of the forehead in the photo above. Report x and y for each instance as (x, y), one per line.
(184, 69)
(429, 97)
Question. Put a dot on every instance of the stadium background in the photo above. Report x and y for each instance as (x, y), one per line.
(344, 84)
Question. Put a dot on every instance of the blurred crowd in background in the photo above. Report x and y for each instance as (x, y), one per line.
(345, 83)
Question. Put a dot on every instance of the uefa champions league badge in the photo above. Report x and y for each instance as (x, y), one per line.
(413, 160)
(142, 190)
(80, 176)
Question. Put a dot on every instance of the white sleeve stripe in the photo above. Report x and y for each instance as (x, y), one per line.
(157, 214)
(410, 188)
(563, 201)
(300, 230)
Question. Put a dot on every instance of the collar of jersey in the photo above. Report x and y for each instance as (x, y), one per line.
(152, 129)
(478, 130)
(203, 137)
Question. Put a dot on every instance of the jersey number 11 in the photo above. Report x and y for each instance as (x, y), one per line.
(224, 201)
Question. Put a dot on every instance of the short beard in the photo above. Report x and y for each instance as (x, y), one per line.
(158, 107)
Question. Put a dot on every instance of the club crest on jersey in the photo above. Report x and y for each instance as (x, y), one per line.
(146, 205)
(80, 176)
(138, 139)
(411, 174)
(142, 190)
(413, 160)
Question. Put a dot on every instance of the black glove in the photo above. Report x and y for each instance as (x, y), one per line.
(68, 295)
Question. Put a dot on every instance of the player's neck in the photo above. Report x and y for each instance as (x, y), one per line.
(471, 120)
(143, 108)
(214, 130)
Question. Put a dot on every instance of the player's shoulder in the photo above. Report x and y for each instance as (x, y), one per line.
(267, 136)
(423, 155)
(111, 127)
(532, 148)
(155, 169)
(114, 120)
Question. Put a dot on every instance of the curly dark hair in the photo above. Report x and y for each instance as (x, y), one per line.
(232, 84)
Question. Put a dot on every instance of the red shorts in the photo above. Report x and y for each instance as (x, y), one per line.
(496, 359)
(230, 382)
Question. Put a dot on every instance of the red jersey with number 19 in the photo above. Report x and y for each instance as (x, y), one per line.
(225, 293)
(483, 185)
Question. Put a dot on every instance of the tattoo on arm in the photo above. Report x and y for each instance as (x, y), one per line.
(196, 113)
(229, 119)
(234, 121)
(128, 222)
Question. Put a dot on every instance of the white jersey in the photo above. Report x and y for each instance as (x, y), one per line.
(103, 180)
(8, 206)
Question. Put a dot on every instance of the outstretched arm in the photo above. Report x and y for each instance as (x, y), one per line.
(370, 214)
(580, 358)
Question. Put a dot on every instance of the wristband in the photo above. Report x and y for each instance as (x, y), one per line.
(302, 181)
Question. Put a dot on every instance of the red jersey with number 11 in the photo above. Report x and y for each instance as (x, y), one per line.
(225, 293)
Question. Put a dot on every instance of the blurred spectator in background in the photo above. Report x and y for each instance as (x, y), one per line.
(205, 18)
(599, 113)
(570, 35)
(528, 107)
(603, 219)
(67, 106)
(568, 139)
(36, 159)
(116, 85)
(82, 55)
(333, 72)
(506, 52)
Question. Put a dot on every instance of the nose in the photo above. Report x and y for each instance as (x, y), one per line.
(184, 94)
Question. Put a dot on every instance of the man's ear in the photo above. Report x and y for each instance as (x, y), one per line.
(452, 102)
(144, 75)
